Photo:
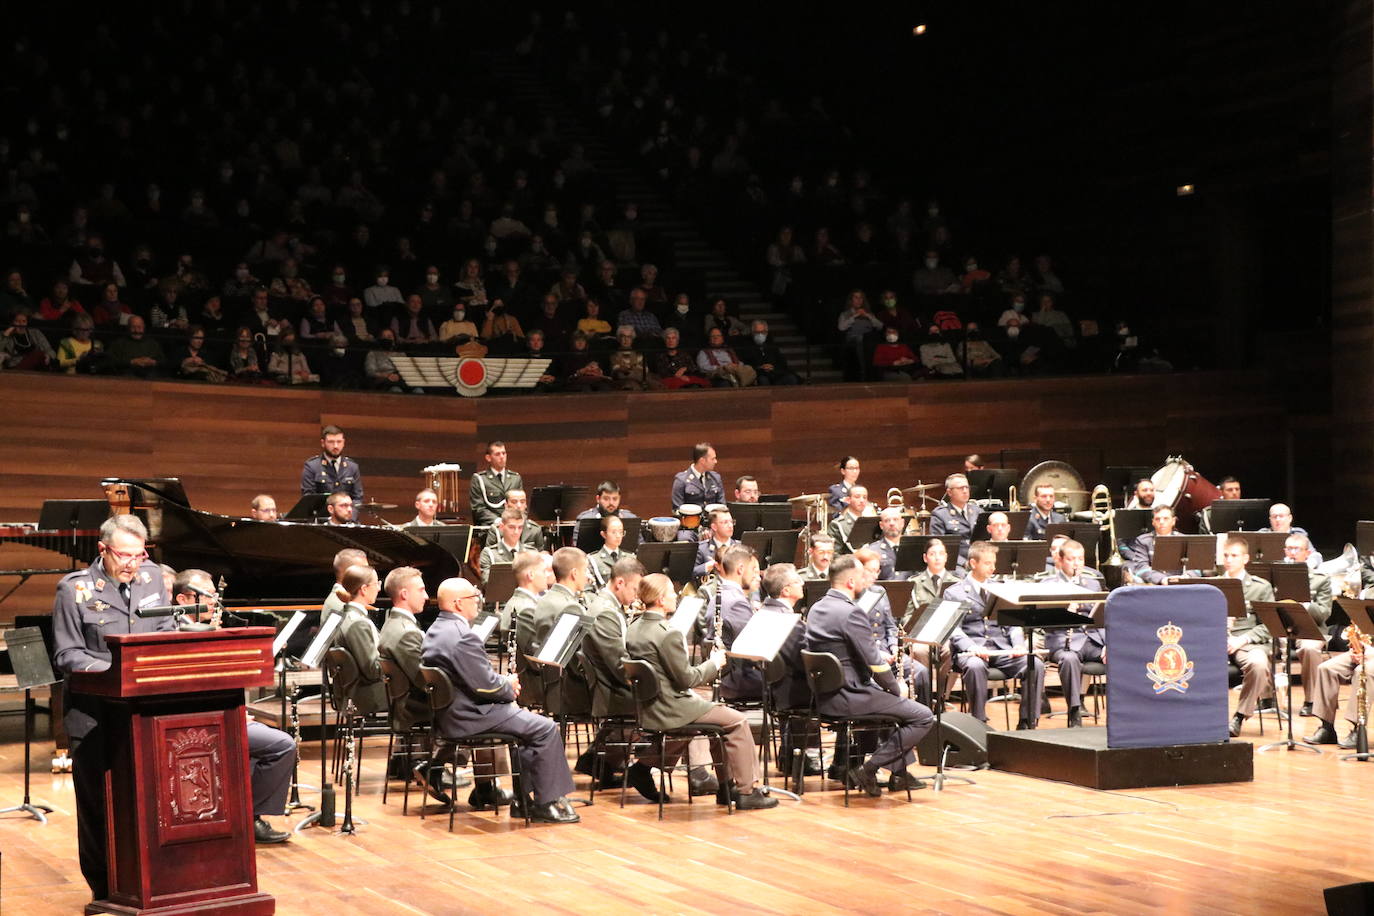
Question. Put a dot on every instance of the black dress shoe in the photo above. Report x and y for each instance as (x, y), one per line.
(641, 779)
(1024, 726)
(835, 772)
(1306, 711)
(866, 781)
(899, 782)
(811, 766)
(1325, 734)
(1237, 723)
(488, 794)
(431, 778)
(263, 832)
(756, 800)
(555, 812)
(1044, 706)
(611, 781)
(701, 781)
(586, 764)
(1075, 717)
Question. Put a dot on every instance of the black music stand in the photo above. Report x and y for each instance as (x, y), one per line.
(1238, 515)
(310, 507)
(500, 583)
(1121, 480)
(1021, 559)
(772, 546)
(932, 627)
(758, 644)
(761, 516)
(1017, 522)
(314, 658)
(1264, 545)
(588, 535)
(814, 590)
(1179, 553)
(1089, 534)
(557, 502)
(31, 669)
(1361, 616)
(1130, 522)
(73, 514)
(279, 652)
(863, 532)
(898, 595)
(1295, 621)
(673, 558)
(1291, 582)
(992, 483)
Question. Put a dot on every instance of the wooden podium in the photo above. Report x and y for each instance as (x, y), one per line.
(178, 798)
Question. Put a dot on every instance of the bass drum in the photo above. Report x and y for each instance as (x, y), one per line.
(1183, 489)
(1060, 475)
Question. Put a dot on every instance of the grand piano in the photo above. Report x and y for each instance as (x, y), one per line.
(264, 563)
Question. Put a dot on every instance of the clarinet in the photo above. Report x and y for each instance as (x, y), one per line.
(347, 826)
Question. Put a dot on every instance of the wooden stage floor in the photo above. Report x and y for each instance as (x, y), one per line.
(1008, 845)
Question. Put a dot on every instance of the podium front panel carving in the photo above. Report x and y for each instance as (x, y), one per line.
(193, 800)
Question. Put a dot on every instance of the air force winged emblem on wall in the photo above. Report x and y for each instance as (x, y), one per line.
(1171, 669)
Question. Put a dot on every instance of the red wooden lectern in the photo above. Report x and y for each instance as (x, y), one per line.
(178, 801)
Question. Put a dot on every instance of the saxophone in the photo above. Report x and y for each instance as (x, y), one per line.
(1358, 642)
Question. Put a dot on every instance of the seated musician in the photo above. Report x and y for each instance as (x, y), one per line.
(507, 545)
(838, 497)
(820, 554)
(930, 583)
(999, 527)
(1325, 692)
(488, 489)
(91, 604)
(1297, 548)
(956, 515)
(1043, 514)
(883, 624)
(612, 536)
(339, 505)
(979, 643)
(843, 524)
(333, 603)
(1139, 551)
(1281, 520)
(1230, 489)
(263, 508)
(531, 536)
(426, 510)
(607, 503)
(359, 636)
(835, 624)
(719, 534)
(531, 580)
(484, 702)
(271, 752)
(1248, 640)
(1070, 648)
(700, 484)
(649, 639)
(781, 585)
(604, 647)
(747, 489)
(1144, 495)
(891, 524)
(737, 577)
(532, 630)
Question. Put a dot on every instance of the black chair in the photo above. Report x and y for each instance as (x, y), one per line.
(440, 691)
(643, 681)
(1002, 689)
(578, 723)
(826, 675)
(343, 675)
(625, 725)
(416, 737)
(787, 718)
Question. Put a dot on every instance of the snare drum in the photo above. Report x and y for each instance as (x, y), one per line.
(1183, 489)
(443, 480)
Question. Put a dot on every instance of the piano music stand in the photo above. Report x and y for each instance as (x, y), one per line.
(673, 558)
(31, 669)
(1295, 621)
(308, 508)
(588, 536)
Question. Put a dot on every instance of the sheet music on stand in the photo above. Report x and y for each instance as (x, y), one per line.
(484, 624)
(867, 600)
(934, 623)
(320, 644)
(763, 636)
(286, 632)
(686, 614)
(561, 642)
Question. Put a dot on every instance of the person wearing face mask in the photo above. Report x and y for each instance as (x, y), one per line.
(338, 291)
(1015, 310)
(932, 279)
(435, 295)
(766, 357)
(893, 360)
(240, 286)
(458, 329)
(382, 293)
(973, 275)
(338, 366)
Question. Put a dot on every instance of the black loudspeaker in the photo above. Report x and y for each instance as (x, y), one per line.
(967, 737)
(1350, 899)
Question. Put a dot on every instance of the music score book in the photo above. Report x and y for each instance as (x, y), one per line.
(762, 637)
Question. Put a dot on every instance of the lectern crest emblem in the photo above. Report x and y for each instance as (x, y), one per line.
(195, 775)
(1171, 669)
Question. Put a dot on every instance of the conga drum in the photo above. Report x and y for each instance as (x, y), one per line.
(443, 480)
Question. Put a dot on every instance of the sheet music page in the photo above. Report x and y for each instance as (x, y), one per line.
(286, 632)
(867, 600)
(312, 656)
(686, 614)
(1020, 590)
(763, 636)
(939, 622)
(484, 626)
(558, 638)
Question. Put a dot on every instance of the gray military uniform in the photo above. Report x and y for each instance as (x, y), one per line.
(487, 494)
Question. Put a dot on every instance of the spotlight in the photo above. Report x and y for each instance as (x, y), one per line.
(919, 30)
(1184, 190)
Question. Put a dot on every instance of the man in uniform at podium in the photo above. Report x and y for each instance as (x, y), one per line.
(1070, 648)
(330, 471)
(91, 604)
(271, 752)
(488, 489)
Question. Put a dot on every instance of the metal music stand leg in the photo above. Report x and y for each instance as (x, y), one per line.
(940, 777)
(1288, 743)
(767, 742)
(324, 817)
(37, 812)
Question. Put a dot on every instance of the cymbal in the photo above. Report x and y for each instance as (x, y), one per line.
(808, 497)
(922, 487)
(377, 507)
(1063, 490)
